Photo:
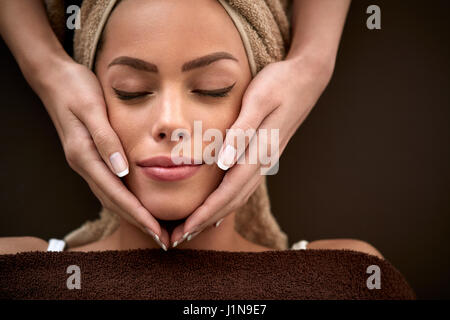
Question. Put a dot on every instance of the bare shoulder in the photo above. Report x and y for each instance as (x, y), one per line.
(12, 245)
(349, 244)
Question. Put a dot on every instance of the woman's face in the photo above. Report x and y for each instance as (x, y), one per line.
(163, 65)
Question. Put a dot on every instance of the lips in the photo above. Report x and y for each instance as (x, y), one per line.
(163, 168)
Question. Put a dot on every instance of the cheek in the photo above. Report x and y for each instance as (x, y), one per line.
(128, 125)
(133, 126)
(222, 117)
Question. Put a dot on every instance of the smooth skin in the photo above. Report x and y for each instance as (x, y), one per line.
(155, 83)
(74, 100)
(280, 97)
(172, 104)
(89, 140)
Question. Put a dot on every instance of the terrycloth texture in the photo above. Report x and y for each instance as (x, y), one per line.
(264, 23)
(55, 11)
(264, 29)
(157, 275)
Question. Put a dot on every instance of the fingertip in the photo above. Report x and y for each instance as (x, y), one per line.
(218, 222)
(123, 173)
(152, 228)
(152, 233)
(118, 164)
(226, 157)
(222, 165)
(176, 237)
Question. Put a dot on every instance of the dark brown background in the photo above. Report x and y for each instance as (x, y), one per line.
(371, 161)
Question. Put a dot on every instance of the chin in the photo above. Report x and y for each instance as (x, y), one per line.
(173, 201)
(170, 212)
(168, 206)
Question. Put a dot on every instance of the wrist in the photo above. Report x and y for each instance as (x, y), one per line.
(317, 61)
(40, 68)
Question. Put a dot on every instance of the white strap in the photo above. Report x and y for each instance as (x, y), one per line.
(301, 245)
(56, 245)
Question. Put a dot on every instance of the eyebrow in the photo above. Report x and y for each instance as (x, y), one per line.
(142, 65)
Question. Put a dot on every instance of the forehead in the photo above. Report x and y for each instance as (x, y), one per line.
(176, 29)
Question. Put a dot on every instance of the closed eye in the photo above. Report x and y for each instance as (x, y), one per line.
(124, 95)
(218, 93)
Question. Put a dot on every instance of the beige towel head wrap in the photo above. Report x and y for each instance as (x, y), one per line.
(264, 29)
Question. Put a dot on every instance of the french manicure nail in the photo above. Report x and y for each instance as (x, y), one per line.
(218, 222)
(162, 245)
(150, 232)
(119, 165)
(178, 242)
(226, 158)
(156, 238)
(192, 236)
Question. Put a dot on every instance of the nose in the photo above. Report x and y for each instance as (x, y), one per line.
(170, 116)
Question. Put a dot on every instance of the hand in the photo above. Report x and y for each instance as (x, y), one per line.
(279, 97)
(74, 99)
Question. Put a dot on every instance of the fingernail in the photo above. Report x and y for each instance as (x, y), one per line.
(150, 232)
(226, 157)
(119, 165)
(178, 242)
(154, 235)
(162, 245)
(156, 238)
(218, 222)
(192, 236)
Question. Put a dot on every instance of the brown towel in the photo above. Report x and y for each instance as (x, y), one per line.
(157, 275)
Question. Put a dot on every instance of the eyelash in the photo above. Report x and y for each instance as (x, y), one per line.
(220, 93)
(122, 95)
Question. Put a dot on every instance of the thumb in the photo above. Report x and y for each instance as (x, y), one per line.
(106, 140)
(242, 132)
